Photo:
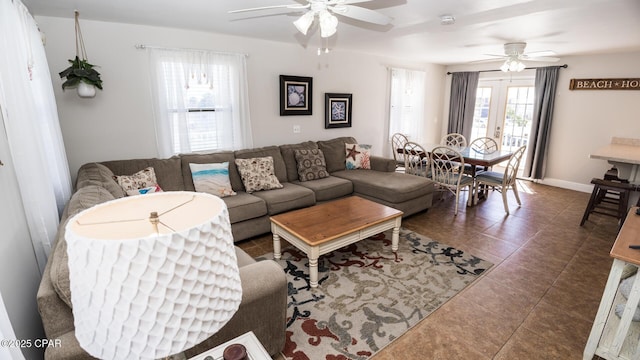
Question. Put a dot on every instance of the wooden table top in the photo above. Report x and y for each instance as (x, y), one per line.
(629, 235)
(621, 152)
(327, 221)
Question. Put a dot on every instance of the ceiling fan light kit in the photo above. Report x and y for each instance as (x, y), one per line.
(512, 64)
(304, 22)
(328, 24)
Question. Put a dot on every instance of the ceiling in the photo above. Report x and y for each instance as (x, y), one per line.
(568, 27)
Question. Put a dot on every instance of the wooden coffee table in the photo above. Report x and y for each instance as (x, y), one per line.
(322, 228)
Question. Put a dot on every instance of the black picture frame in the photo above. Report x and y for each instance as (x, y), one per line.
(296, 95)
(337, 110)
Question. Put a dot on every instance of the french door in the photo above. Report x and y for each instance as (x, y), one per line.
(504, 111)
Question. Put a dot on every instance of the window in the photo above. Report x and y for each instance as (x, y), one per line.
(201, 101)
(406, 103)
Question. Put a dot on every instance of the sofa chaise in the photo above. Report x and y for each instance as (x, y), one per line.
(263, 306)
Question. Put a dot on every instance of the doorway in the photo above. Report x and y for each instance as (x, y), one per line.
(504, 112)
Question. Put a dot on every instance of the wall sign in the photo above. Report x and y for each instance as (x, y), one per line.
(605, 84)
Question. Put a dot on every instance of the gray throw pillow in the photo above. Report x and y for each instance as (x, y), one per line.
(311, 164)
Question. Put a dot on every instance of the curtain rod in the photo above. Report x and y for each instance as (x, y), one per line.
(527, 68)
(143, 46)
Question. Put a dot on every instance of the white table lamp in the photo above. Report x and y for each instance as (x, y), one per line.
(146, 286)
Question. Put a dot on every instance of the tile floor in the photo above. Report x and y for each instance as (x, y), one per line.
(539, 299)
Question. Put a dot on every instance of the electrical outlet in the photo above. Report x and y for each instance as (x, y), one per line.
(296, 129)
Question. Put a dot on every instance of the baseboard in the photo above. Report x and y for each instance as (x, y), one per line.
(587, 188)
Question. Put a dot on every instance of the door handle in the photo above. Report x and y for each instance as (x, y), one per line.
(496, 133)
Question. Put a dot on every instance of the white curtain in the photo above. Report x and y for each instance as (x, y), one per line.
(407, 97)
(30, 118)
(172, 72)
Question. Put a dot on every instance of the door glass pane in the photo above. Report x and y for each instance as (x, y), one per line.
(518, 116)
(481, 113)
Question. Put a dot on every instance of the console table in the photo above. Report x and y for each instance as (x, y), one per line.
(613, 337)
(624, 154)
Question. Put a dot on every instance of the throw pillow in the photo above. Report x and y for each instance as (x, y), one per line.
(258, 174)
(311, 164)
(143, 191)
(212, 178)
(144, 178)
(358, 156)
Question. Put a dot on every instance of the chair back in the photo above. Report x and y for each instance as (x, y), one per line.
(397, 145)
(454, 140)
(416, 159)
(447, 166)
(484, 145)
(511, 170)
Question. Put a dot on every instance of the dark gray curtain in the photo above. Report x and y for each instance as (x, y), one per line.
(545, 93)
(464, 86)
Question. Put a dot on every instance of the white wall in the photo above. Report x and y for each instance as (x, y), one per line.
(584, 120)
(117, 123)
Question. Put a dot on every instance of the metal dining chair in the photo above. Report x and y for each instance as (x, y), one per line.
(397, 142)
(454, 140)
(503, 181)
(447, 171)
(416, 160)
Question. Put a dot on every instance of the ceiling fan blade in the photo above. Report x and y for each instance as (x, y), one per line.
(346, 2)
(361, 14)
(486, 60)
(541, 53)
(540, 58)
(295, 6)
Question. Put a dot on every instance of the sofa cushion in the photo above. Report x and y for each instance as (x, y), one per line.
(216, 157)
(288, 155)
(244, 206)
(142, 179)
(358, 156)
(168, 171)
(147, 190)
(290, 197)
(212, 178)
(257, 174)
(311, 164)
(82, 199)
(98, 174)
(334, 153)
(278, 162)
(328, 188)
(393, 187)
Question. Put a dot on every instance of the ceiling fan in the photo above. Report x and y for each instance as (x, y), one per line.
(514, 55)
(324, 10)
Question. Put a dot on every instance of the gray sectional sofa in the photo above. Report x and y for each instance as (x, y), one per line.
(263, 306)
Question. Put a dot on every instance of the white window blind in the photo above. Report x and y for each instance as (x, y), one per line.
(201, 101)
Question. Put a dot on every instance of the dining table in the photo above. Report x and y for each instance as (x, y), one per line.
(477, 158)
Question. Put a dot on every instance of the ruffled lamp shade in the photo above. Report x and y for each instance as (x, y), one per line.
(145, 291)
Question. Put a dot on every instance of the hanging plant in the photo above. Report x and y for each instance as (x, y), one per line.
(81, 73)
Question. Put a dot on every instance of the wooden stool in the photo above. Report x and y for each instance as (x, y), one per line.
(608, 192)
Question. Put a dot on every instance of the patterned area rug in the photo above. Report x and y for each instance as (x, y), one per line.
(368, 296)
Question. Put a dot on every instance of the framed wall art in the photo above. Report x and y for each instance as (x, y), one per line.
(295, 95)
(337, 110)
